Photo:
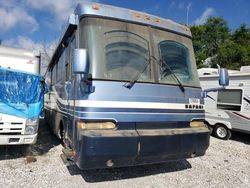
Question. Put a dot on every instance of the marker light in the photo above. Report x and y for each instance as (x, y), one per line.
(147, 17)
(197, 124)
(157, 20)
(96, 7)
(137, 15)
(95, 125)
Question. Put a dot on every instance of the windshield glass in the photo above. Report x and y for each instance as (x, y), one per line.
(119, 51)
(126, 55)
(177, 52)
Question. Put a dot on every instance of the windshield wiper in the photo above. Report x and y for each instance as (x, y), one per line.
(173, 74)
(131, 83)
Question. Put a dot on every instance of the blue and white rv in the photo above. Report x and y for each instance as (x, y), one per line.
(124, 89)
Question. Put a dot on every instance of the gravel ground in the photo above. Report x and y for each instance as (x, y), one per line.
(226, 164)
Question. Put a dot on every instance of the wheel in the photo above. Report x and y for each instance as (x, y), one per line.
(222, 132)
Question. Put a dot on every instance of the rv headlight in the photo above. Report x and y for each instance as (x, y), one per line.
(31, 126)
(197, 124)
(95, 125)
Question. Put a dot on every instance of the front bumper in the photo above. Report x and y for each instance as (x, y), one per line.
(17, 139)
(118, 148)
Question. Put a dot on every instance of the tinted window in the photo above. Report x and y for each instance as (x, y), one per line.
(126, 55)
(176, 56)
(117, 50)
(121, 51)
(229, 99)
(54, 74)
(60, 67)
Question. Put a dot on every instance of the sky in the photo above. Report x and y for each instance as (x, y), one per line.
(34, 24)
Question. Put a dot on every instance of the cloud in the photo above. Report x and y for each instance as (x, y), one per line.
(181, 5)
(60, 10)
(15, 13)
(45, 49)
(11, 17)
(189, 5)
(23, 42)
(205, 15)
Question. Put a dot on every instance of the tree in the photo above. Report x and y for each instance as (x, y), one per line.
(242, 35)
(235, 52)
(207, 39)
(198, 44)
(216, 32)
(214, 40)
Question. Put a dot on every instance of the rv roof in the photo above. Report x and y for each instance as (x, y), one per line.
(245, 69)
(108, 11)
(96, 9)
(213, 72)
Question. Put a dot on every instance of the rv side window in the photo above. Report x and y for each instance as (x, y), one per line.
(229, 99)
(60, 67)
(68, 65)
(54, 71)
(48, 79)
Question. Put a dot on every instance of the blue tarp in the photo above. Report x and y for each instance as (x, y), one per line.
(21, 93)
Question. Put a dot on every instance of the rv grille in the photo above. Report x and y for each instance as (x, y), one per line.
(16, 123)
(11, 133)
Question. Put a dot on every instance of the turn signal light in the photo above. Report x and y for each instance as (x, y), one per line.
(95, 125)
(197, 124)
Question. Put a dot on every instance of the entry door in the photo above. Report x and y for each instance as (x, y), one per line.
(69, 88)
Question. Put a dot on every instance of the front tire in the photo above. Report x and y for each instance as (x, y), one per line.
(222, 132)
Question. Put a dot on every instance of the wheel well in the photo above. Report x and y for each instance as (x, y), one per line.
(220, 124)
(207, 123)
(61, 127)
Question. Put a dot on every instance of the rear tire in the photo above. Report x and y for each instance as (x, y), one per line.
(222, 132)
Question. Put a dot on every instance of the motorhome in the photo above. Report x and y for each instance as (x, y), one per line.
(227, 109)
(21, 96)
(124, 90)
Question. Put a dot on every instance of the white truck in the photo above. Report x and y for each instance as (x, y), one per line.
(228, 109)
(14, 128)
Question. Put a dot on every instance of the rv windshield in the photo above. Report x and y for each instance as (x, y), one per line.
(119, 51)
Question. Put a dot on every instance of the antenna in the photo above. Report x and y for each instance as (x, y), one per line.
(188, 8)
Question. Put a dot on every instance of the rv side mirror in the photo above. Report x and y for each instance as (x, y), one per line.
(80, 61)
(223, 79)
